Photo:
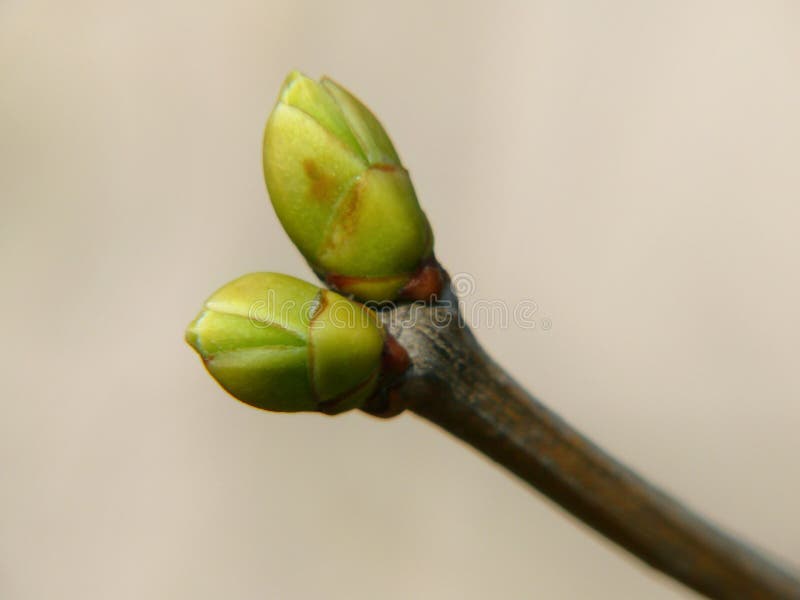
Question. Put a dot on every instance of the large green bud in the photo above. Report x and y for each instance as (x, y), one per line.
(341, 193)
(282, 344)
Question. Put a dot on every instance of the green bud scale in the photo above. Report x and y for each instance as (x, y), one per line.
(341, 192)
(278, 343)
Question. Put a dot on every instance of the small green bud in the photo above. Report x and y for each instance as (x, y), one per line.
(340, 191)
(279, 343)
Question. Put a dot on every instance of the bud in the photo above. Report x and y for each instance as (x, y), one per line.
(340, 191)
(279, 343)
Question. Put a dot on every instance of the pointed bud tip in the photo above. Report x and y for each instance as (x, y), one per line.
(192, 336)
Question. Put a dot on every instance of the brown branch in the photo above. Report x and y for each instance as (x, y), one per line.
(454, 384)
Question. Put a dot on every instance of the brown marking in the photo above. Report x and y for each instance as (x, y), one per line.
(395, 359)
(341, 282)
(425, 284)
(347, 218)
(323, 185)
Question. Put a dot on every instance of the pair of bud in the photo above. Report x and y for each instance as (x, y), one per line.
(347, 203)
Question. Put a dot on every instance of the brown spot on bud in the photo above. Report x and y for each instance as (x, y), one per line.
(341, 282)
(346, 219)
(345, 283)
(384, 167)
(322, 184)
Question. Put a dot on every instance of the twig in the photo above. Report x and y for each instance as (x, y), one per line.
(454, 384)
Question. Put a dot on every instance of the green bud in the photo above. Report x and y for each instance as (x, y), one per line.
(340, 191)
(279, 343)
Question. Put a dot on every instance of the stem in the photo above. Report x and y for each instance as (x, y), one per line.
(455, 385)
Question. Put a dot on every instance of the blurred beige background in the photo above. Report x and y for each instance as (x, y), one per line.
(632, 167)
